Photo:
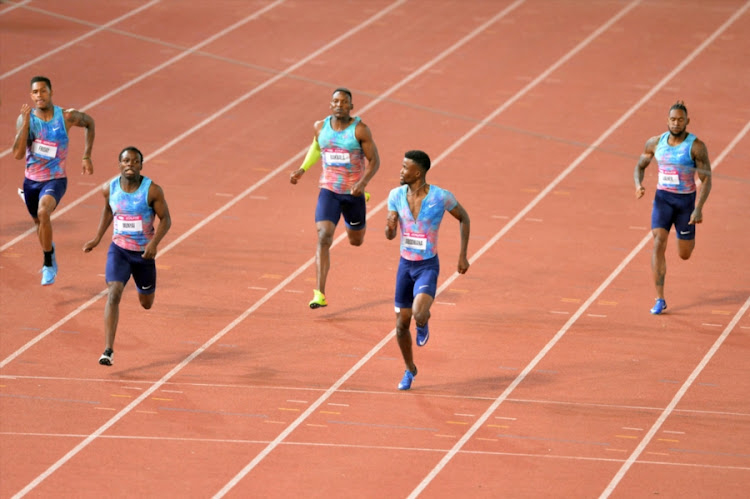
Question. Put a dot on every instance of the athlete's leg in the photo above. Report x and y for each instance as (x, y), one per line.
(356, 237)
(659, 260)
(112, 313)
(403, 336)
(421, 309)
(685, 247)
(323, 253)
(47, 205)
(354, 210)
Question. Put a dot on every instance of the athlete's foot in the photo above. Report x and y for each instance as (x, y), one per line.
(659, 307)
(405, 383)
(48, 275)
(423, 334)
(106, 358)
(318, 301)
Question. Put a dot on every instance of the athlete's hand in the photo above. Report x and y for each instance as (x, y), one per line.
(296, 175)
(149, 253)
(392, 221)
(90, 245)
(696, 217)
(25, 113)
(358, 189)
(639, 192)
(463, 264)
(87, 167)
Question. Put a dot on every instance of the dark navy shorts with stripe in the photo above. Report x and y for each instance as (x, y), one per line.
(415, 277)
(33, 191)
(332, 205)
(673, 209)
(122, 263)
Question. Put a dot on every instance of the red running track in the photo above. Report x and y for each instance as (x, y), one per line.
(545, 375)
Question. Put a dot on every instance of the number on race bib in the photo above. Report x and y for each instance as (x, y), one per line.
(44, 148)
(415, 241)
(128, 223)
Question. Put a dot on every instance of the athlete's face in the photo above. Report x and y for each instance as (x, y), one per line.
(678, 121)
(410, 172)
(130, 165)
(341, 105)
(41, 95)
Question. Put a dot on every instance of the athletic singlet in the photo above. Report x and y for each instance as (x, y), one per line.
(133, 217)
(343, 158)
(419, 237)
(676, 165)
(46, 147)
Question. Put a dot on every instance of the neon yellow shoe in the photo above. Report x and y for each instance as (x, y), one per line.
(319, 300)
(367, 196)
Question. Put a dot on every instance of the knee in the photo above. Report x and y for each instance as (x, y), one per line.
(147, 305)
(325, 238)
(401, 331)
(685, 254)
(356, 241)
(114, 297)
(421, 318)
(42, 214)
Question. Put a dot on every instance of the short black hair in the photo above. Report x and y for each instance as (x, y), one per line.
(133, 149)
(343, 90)
(679, 105)
(43, 79)
(421, 158)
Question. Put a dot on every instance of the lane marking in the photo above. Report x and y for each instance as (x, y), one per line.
(247, 191)
(676, 399)
(542, 353)
(74, 41)
(13, 6)
(143, 76)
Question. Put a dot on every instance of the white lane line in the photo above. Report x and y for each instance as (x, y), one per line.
(542, 353)
(450, 280)
(13, 6)
(239, 197)
(130, 83)
(675, 400)
(74, 41)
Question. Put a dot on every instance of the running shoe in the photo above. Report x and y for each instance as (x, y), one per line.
(48, 275)
(54, 258)
(20, 194)
(319, 300)
(407, 379)
(367, 197)
(423, 334)
(106, 358)
(659, 307)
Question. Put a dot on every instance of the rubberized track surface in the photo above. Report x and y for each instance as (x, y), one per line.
(545, 375)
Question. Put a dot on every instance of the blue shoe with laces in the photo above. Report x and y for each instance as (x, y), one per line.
(54, 258)
(659, 307)
(423, 334)
(407, 379)
(48, 275)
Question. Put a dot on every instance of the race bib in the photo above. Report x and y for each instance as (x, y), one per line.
(415, 241)
(669, 178)
(339, 157)
(44, 148)
(128, 223)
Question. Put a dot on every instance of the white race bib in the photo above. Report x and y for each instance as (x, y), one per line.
(128, 223)
(415, 241)
(336, 158)
(669, 178)
(44, 148)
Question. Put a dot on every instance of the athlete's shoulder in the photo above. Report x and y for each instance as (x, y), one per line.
(397, 190)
